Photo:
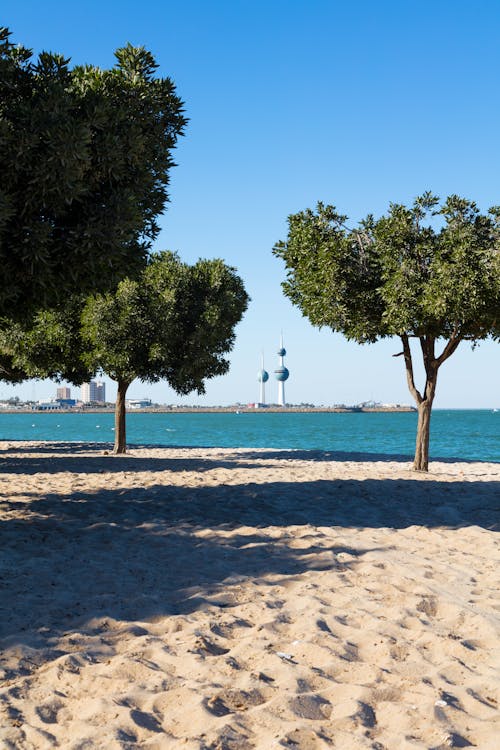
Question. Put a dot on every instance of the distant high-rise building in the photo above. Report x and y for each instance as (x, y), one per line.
(63, 392)
(95, 392)
(281, 374)
(100, 390)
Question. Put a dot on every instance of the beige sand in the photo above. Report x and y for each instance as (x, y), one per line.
(237, 599)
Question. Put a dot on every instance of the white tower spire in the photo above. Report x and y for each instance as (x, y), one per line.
(281, 374)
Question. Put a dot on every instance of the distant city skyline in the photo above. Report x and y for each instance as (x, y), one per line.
(93, 392)
(468, 380)
(302, 120)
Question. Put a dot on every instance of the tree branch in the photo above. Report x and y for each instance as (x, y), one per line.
(409, 369)
(451, 346)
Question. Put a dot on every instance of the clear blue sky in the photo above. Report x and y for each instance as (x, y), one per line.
(291, 103)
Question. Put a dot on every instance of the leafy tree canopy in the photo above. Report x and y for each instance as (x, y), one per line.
(405, 273)
(428, 271)
(85, 155)
(49, 345)
(175, 322)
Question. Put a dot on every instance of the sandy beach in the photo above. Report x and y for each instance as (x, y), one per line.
(218, 599)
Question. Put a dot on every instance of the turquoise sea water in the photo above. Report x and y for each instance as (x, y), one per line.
(472, 435)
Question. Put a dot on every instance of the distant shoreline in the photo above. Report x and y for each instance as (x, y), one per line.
(222, 410)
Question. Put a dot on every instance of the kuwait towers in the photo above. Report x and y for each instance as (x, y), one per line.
(281, 374)
(262, 377)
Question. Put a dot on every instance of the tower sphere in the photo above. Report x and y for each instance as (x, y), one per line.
(281, 351)
(262, 376)
(281, 373)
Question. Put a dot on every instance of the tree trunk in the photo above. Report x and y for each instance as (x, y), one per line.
(120, 428)
(424, 402)
(421, 461)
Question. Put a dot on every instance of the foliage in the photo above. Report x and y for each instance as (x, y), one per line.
(398, 274)
(427, 272)
(49, 345)
(175, 323)
(85, 155)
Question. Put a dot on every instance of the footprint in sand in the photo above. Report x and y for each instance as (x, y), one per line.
(305, 739)
(351, 652)
(233, 701)
(365, 715)
(126, 737)
(313, 684)
(226, 630)
(230, 739)
(486, 701)
(48, 712)
(145, 720)
(471, 644)
(453, 739)
(311, 706)
(399, 652)
(205, 647)
(323, 626)
(428, 605)
(451, 700)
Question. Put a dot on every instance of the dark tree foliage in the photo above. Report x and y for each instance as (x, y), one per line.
(175, 323)
(85, 156)
(427, 272)
(50, 345)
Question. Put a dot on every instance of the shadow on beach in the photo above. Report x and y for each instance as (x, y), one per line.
(137, 553)
(98, 458)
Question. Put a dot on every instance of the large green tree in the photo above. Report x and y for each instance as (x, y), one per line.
(85, 155)
(175, 323)
(427, 272)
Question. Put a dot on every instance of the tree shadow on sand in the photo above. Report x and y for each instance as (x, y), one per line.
(97, 458)
(134, 554)
(354, 456)
(79, 458)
